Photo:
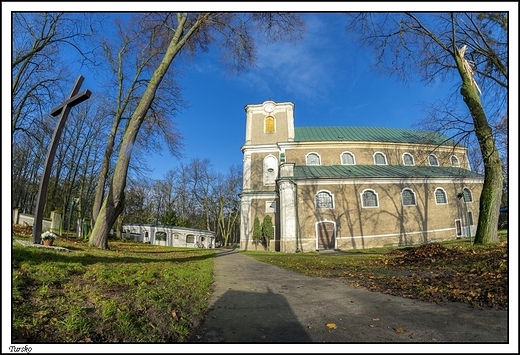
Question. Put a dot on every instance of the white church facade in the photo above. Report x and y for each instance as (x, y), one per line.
(348, 187)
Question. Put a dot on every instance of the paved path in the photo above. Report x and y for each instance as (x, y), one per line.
(254, 302)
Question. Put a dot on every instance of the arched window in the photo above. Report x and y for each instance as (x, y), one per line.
(408, 197)
(379, 159)
(313, 159)
(432, 160)
(454, 161)
(270, 171)
(347, 158)
(269, 124)
(408, 159)
(369, 198)
(324, 200)
(161, 236)
(440, 197)
(467, 195)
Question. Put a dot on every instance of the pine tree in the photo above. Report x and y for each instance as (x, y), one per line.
(257, 232)
(268, 230)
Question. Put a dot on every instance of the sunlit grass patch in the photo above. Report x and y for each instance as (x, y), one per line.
(133, 292)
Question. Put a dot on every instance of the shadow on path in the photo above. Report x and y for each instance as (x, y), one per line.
(240, 316)
(255, 302)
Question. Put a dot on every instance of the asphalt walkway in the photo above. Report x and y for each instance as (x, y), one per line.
(254, 302)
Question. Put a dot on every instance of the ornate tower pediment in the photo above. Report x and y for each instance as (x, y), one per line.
(269, 123)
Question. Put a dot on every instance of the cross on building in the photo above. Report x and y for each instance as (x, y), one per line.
(63, 110)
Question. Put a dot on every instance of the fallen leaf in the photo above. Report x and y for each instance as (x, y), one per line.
(399, 330)
(375, 319)
(331, 326)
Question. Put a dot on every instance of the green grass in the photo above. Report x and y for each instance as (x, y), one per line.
(134, 292)
(142, 293)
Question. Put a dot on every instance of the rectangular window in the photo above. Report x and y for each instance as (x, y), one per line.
(190, 238)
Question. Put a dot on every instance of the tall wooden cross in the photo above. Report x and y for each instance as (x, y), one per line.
(63, 109)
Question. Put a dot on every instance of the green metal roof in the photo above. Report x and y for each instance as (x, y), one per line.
(370, 134)
(380, 171)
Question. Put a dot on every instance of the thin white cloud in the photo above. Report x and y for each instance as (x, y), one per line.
(303, 68)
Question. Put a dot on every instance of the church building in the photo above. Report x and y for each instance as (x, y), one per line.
(343, 187)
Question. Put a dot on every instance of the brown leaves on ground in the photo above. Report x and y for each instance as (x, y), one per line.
(425, 254)
(434, 273)
(22, 230)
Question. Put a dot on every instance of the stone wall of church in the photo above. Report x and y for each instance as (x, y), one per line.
(390, 223)
(330, 153)
(270, 133)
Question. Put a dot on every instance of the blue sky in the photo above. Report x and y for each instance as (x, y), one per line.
(326, 75)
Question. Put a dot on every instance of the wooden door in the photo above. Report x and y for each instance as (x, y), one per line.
(326, 234)
(458, 227)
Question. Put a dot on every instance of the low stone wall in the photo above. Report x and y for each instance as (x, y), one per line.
(28, 220)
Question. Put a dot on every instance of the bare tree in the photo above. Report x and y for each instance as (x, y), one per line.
(229, 202)
(175, 32)
(80, 153)
(436, 46)
(37, 74)
(203, 185)
(131, 55)
(45, 46)
(138, 205)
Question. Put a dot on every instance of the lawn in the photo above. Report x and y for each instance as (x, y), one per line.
(134, 292)
(143, 293)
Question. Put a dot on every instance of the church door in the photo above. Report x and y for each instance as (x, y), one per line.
(458, 227)
(326, 235)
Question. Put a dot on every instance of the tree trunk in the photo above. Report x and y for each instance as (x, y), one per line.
(490, 198)
(111, 209)
(103, 174)
(113, 203)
